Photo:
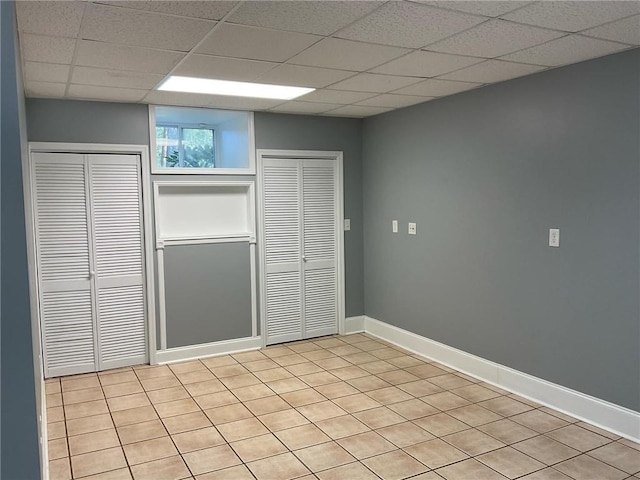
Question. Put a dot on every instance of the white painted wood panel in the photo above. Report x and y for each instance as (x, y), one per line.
(115, 198)
(62, 234)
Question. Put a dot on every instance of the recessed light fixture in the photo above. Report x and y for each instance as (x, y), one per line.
(235, 89)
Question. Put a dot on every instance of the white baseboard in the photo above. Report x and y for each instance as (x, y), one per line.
(192, 352)
(614, 418)
(354, 324)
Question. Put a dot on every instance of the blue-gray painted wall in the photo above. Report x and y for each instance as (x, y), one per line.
(485, 174)
(20, 458)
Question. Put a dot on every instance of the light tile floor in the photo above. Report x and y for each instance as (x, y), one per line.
(343, 407)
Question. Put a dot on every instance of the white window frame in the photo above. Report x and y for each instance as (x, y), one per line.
(157, 170)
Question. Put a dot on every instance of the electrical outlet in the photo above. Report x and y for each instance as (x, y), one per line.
(347, 224)
(554, 237)
(394, 226)
(412, 228)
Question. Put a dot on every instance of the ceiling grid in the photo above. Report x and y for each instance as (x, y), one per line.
(362, 57)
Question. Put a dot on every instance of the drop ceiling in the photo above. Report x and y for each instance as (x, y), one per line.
(363, 57)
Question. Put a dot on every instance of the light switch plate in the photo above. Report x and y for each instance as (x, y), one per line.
(554, 237)
(412, 228)
(347, 224)
(394, 226)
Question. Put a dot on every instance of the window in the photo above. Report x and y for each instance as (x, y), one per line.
(201, 141)
(185, 147)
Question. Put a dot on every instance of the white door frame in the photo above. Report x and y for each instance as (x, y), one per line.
(300, 154)
(88, 148)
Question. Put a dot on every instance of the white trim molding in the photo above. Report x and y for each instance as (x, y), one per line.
(354, 324)
(162, 241)
(193, 352)
(614, 418)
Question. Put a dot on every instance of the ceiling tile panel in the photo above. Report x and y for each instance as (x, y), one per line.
(38, 48)
(300, 76)
(357, 111)
(210, 10)
(124, 57)
(92, 92)
(426, 64)
(346, 55)
(45, 89)
(60, 19)
(494, 38)
(304, 107)
(489, 8)
(242, 103)
(569, 49)
(145, 29)
(322, 18)
(215, 101)
(156, 97)
(492, 71)
(573, 16)
(336, 96)
(222, 68)
(625, 31)
(114, 78)
(256, 43)
(371, 82)
(436, 88)
(393, 101)
(45, 72)
(407, 24)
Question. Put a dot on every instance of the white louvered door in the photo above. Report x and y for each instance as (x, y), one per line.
(299, 201)
(115, 197)
(320, 262)
(87, 213)
(62, 230)
(282, 240)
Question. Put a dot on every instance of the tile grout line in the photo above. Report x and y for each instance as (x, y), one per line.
(351, 414)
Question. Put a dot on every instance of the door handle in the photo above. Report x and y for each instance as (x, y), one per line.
(304, 259)
(92, 274)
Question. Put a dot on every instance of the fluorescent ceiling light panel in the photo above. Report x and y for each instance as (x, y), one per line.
(234, 89)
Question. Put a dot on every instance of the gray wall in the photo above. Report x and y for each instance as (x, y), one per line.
(485, 174)
(206, 290)
(19, 438)
(299, 132)
(50, 120)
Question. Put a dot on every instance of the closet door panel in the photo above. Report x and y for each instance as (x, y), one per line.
(115, 187)
(319, 181)
(122, 329)
(63, 257)
(282, 239)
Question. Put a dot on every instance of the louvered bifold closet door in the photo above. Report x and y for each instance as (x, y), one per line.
(282, 240)
(115, 192)
(320, 267)
(63, 257)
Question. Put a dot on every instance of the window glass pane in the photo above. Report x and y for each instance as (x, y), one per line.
(198, 148)
(202, 141)
(167, 146)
